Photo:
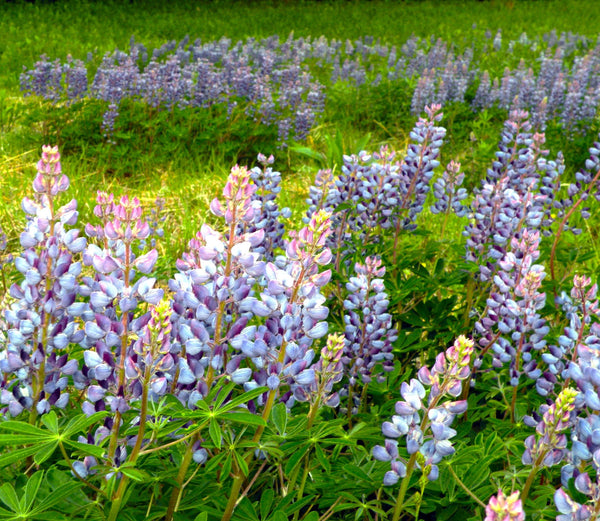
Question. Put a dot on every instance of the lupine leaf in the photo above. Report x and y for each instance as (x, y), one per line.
(51, 422)
(16, 455)
(86, 448)
(202, 516)
(322, 458)
(81, 422)
(226, 469)
(23, 427)
(241, 463)
(246, 417)
(23, 439)
(57, 496)
(266, 502)
(45, 451)
(9, 497)
(133, 473)
(295, 459)
(215, 432)
(31, 489)
(243, 398)
(279, 415)
(223, 394)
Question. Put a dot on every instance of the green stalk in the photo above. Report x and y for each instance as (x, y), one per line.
(311, 419)
(118, 497)
(39, 376)
(183, 468)
(411, 462)
(112, 447)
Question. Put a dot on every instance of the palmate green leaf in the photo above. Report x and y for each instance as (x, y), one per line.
(241, 463)
(50, 420)
(57, 496)
(322, 458)
(9, 497)
(223, 393)
(85, 448)
(356, 472)
(226, 469)
(202, 516)
(22, 439)
(266, 502)
(133, 473)
(6, 514)
(278, 516)
(295, 459)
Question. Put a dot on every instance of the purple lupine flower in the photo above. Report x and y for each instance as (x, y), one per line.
(504, 508)
(269, 218)
(35, 363)
(571, 510)
(422, 418)
(416, 170)
(114, 296)
(509, 199)
(513, 328)
(447, 194)
(368, 327)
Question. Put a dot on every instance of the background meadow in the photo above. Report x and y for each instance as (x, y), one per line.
(391, 313)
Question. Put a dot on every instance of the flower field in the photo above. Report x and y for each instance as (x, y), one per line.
(318, 276)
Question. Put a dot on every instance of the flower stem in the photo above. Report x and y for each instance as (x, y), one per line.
(183, 468)
(403, 487)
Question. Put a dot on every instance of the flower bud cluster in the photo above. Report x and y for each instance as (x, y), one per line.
(422, 418)
(35, 365)
(375, 191)
(224, 284)
(549, 446)
(111, 319)
(368, 325)
(504, 508)
(151, 359)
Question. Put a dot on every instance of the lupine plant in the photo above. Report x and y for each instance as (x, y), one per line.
(256, 383)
